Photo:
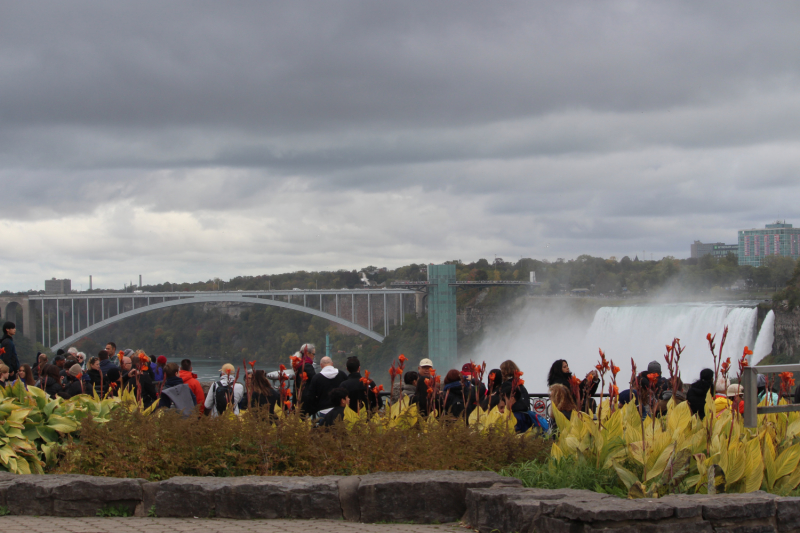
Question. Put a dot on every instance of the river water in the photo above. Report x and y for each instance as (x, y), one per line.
(208, 369)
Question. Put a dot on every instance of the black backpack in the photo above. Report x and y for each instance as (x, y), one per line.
(221, 393)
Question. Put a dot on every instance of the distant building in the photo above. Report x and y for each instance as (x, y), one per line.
(716, 249)
(57, 286)
(755, 245)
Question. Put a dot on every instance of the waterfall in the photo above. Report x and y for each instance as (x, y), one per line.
(765, 338)
(642, 332)
(541, 334)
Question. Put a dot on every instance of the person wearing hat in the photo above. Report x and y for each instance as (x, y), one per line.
(425, 370)
(75, 383)
(735, 394)
(224, 392)
(158, 368)
(721, 401)
(662, 384)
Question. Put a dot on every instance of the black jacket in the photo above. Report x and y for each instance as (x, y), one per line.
(453, 398)
(148, 389)
(421, 397)
(10, 356)
(308, 368)
(316, 394)
(332, 416)
(75, 387)
(469, 396)
(696, 397)
(53, 387)
(360, 396)
(93, 376)
(522, 400)
(262, 400)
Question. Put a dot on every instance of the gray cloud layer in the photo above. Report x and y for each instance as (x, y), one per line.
(190, 140)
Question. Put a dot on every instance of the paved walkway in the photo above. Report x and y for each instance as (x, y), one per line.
(48, 524)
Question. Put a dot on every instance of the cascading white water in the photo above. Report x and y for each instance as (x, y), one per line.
(540, 334)
(765, 338)
(642, 332)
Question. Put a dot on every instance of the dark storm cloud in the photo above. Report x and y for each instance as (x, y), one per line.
(239, 138)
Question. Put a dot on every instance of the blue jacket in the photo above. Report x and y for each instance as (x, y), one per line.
(10, 356)
(106, 365)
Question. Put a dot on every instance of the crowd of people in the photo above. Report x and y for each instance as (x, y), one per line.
(322, 391)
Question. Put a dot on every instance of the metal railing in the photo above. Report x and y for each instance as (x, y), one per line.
(750, 384)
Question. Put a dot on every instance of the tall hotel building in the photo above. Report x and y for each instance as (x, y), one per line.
(755, 245)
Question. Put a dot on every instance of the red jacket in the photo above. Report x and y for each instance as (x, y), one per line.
(190, 379)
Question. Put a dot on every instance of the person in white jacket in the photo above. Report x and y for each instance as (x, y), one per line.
(220, 396)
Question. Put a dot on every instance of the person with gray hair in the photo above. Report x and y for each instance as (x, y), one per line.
(316, 395)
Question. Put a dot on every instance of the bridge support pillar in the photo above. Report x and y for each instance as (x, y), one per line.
(419, 304)
(442, 338)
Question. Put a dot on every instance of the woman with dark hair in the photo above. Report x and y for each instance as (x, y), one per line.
(51, 381)
(263, 393)
(696, 395)
(522, 400)
(493, 383)
(565, 395)
(9, 354)
(25, 375)
(453, 393)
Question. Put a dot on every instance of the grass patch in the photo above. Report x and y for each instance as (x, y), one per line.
(568, 473)
(111, 511)
(4, 511)
(167, 445)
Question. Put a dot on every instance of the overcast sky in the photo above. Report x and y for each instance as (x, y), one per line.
(185, 141)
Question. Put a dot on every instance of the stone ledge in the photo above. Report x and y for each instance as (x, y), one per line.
(422, 497)
(510, 510)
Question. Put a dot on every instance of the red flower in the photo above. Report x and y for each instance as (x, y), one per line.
(574, 380)
(288, 404)
(2, 350)
(747, 351)
(726, 366)
(669, 348)
(282, 368)
(787, 379)
(521, 382)
(614, 370)
(613, 390)
(653, 379)
(403, 358)
(252, 364)
(304, 377)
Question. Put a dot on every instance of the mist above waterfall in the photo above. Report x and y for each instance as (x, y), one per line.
(544, 331)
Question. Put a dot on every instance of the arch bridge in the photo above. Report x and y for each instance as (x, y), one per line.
(361, 310)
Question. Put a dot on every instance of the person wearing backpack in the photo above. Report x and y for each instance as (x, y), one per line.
(176, 394)
(453, 393)
(223, 392)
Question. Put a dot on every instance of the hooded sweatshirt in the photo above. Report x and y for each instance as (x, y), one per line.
(190, 378)
(316, 396)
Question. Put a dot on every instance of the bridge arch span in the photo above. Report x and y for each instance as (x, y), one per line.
(214, 299)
